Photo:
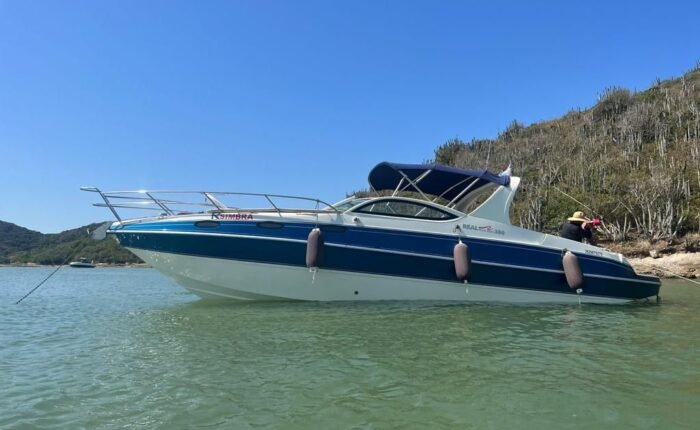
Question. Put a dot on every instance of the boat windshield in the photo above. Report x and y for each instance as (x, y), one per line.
(404, 209)
(346, 204)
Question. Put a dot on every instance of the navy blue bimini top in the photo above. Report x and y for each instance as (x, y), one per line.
(440, 181)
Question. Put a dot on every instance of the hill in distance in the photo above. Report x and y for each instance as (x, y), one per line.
(19, 245)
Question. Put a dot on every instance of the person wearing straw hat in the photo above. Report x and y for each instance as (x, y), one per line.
(577, 228)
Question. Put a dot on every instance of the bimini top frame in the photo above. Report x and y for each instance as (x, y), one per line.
(449, 183)
(153, 200)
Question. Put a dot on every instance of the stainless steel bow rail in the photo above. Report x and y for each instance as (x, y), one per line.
(210, 203)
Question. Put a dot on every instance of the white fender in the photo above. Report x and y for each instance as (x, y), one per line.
(462, 261)
(572, 270)
(314, 243)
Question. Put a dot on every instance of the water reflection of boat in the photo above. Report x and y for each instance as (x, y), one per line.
(451, 240)
(82, 263)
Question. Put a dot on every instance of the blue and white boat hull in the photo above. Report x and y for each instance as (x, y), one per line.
(214, 278)
(247, 260)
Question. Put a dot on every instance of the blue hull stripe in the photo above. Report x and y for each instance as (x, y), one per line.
(419, 243)
(354, 259)
(401, 241)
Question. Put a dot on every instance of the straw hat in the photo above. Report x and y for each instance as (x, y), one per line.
(578, 216)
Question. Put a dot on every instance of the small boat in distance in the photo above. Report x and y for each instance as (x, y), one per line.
(430, 232)
(82, 263)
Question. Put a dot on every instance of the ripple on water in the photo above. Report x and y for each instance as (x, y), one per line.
(114, 348)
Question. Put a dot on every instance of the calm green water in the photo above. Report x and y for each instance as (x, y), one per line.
(126, 348)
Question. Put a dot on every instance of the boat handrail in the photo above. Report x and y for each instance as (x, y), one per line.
(148, 200)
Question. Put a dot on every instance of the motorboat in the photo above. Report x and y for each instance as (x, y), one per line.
(82, 263)
(425, 232)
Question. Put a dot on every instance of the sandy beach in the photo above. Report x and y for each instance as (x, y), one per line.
(683, 264)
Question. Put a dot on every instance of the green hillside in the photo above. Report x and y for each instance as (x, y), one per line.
(633, 158)
(20, 245)
(14, 238)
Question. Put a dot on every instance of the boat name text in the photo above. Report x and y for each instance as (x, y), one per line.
(484, 229)
(231, 216)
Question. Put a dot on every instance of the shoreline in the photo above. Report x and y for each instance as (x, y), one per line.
(686, 264)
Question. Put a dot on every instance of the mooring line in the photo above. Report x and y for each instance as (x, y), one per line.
(595, 212)
(42, 282)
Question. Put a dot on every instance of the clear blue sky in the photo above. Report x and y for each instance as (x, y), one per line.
(298, 97)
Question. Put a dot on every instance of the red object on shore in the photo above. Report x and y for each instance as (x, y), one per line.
(595, 222)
